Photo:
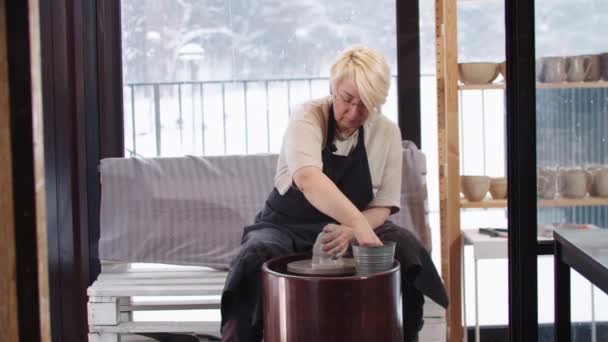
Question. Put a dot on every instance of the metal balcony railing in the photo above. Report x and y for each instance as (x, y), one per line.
(217, 117)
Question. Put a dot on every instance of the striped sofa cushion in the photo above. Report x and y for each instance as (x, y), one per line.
(191, 210)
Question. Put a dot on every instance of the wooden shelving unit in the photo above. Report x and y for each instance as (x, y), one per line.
(451, 201)
(558, 202)
(446, 50)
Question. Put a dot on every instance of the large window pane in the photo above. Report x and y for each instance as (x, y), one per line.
(572, 133)
(220, 77)
(209, 77)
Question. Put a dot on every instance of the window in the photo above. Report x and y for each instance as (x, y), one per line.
(220, 77)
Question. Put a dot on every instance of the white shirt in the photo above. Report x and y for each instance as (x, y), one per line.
(305, 137)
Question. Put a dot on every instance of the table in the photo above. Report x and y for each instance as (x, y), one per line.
(585, 251)
(484, 247)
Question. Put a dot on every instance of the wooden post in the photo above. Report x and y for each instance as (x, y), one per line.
(8, 276)
(449, 169)
(39, 173)
(11, 126)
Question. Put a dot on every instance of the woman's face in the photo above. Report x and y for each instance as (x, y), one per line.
(349, 111)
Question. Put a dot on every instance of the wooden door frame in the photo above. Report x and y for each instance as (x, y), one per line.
(83, 123)
(8, 268)
(23, 181)
(23, 185)
(449, 166)
(82, 102)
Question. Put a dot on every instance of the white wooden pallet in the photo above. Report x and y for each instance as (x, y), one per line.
(111, 303)
(111, 300)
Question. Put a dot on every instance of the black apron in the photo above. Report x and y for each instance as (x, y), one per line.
(291, 212)
(295, 217)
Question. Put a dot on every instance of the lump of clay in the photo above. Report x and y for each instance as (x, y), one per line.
(322, 259)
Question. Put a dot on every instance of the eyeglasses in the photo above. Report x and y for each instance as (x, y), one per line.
(359, 105)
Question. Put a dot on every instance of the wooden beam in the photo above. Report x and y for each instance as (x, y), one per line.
(455, 331)
(8, 276)
(26, 250)
(449, 169)
(441, 137)
(39, 172)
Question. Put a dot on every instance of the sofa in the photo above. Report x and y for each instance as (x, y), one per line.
(189, 212)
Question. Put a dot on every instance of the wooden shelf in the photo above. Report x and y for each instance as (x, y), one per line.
(558, 202)
(486, 203)
(481, 86)
(563, 85)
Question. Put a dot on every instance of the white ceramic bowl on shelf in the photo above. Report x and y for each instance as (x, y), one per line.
(474, 188)
(502, 68)
(498, 188)
(477, 72)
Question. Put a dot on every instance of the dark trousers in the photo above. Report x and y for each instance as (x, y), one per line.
(242, 313)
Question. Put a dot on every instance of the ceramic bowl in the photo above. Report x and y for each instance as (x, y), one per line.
(599, 186)
(498, 188)
(546, 182)
(370, 260)
(502, 68)
(474, 188)
(477, 72)
(573, 182)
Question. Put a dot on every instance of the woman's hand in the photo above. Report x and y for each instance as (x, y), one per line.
(366, 236)
(337, 238)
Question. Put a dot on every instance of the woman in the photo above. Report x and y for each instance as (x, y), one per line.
(339, 170)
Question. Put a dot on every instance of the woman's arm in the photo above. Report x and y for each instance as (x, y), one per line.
(376, 216)
(339, 237)
(324, 195)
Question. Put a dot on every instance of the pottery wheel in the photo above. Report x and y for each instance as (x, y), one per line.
(305, 267)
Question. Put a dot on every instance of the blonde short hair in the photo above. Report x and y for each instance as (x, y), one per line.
(368, 70)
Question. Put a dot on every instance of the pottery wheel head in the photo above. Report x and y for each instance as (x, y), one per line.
(306, 267)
